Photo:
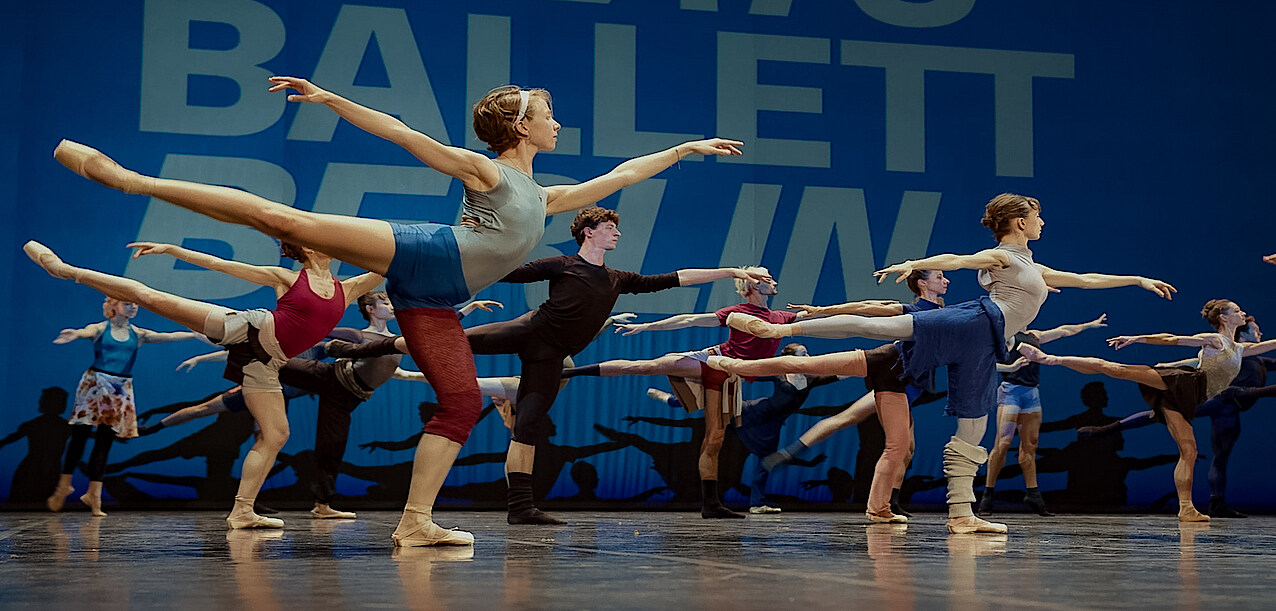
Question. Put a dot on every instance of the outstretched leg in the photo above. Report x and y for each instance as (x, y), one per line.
(889, 328)
(851, 364)
(1086, 364)
(186, 312)
(365, 243)
(676, 365)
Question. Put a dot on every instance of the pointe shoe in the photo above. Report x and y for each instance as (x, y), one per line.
(764, 509)
(55, 502)
(428, 533)
(48, 260)
(885, 517)
(659, 395)
(98, 167)
(324, 512)
(94, 504)
(753, 325)
(970, 524)
(1190, 514)
(252, 520)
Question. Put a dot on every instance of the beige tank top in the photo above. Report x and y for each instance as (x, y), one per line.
(1019, 289)
(1220, 366)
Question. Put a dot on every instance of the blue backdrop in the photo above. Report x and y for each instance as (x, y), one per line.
(874, 132)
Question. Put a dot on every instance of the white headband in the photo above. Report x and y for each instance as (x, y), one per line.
(523, 96)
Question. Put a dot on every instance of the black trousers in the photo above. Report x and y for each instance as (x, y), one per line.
(542, 371)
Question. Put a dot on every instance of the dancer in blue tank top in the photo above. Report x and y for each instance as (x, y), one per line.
(104, 397)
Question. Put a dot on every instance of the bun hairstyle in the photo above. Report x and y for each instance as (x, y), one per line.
(791, 349)
(1212, 312)
(1004, 209)
(589, 218)
(292, 251)
(914, 280)
(496, 114)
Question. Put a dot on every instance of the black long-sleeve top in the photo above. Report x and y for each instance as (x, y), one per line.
(581, 296)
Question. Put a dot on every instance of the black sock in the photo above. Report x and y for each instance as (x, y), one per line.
(710, 505)
(583, 370)
(522, 508)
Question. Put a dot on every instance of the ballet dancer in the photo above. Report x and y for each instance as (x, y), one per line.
(761, 420)
(582, 291)
(104, 397)
(698, 387)
(969, 338)
(430, 267)
(890, 396)
(1224, 412)
(1019, 408)
(309, 304)
(1174, 392)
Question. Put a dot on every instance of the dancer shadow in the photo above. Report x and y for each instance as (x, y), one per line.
(546, 465)
(585, 476)
(37, 473)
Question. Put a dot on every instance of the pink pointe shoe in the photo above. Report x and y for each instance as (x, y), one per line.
(45, 258)
(96, 166)
(252, 520)
(428, 533)
(754, 326)
(970, 524)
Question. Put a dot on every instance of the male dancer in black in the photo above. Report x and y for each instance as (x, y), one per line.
(582, 291)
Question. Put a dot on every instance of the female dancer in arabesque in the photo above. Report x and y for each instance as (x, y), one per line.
(970, 337)
(310, 302)
(430, 267)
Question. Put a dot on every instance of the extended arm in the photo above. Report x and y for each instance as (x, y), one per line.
(984, 259)
(1069, 330)
(266, 275)
(688, 277)
(146, 336)
(1018, 364)
(473, 169)
(1257, 348)
(479, 304)
(680, 321)
(211, 357)
(870, 307)
(88, 332)
(1168, 339)
(1060, 279)
(355, 287)
(565, 198)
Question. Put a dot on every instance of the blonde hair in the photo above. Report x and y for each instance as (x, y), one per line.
(742, 284)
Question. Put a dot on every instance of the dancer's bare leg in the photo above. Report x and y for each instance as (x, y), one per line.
(850, 363)
(842, 326)
(434, 457)
(1087, 364)
(1007, 424)
(1029, 431)
(267, 408)
(1181, 431)
(667, 365)
(186, 312)
(364, 243)
(854, 414)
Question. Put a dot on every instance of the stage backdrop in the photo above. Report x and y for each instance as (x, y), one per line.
(874, 131)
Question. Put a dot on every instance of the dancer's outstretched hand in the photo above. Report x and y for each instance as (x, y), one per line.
(1164, 289)
(306, 91)
(623, 317)
(714, 146)
(631, 328)
(1121, 341)
(754, 276)
(1270, 258)
(188, 364)
(808, 310)
(1101, 321)
(903, 269)
(65, 336)
(481, 304)
(149, 248)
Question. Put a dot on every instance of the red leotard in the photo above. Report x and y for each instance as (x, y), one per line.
(303, 318)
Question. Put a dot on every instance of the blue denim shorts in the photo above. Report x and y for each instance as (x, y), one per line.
(968, 338)
(1018, 399)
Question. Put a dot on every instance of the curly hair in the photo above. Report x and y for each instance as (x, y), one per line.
(292, 251)
(1213, 311)
(494, 116)
(589, 218)
(1004, 209)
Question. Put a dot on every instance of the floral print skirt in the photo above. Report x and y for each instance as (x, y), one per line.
(103, 399)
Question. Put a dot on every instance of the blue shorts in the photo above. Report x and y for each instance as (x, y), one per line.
(426, 270)
(1018, 399)
(969, 338)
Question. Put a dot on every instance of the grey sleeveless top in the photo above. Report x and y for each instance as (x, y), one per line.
(1220, 366)
(1019, 290)
(510, 221)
